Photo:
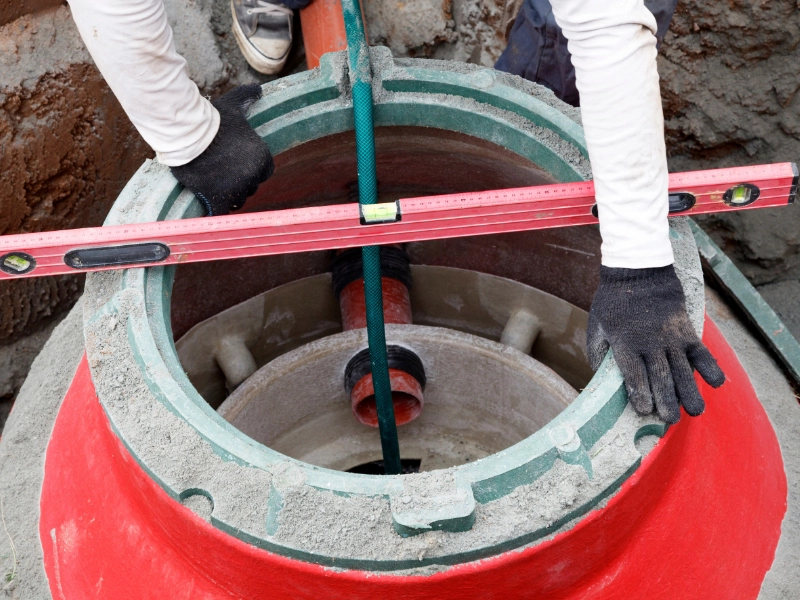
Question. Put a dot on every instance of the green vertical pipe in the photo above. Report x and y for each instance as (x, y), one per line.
(361, 82)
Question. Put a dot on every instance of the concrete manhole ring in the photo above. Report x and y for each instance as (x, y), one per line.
(472, 511)
(149, 492)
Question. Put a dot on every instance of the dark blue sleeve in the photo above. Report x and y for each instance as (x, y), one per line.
(537, 49)
(295, 4)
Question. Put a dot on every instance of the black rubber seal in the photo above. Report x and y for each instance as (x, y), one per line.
(347, 267)
(108, 256)
(681, 201)
(398, 358)
(678, 203)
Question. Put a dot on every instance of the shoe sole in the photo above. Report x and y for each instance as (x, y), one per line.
(261, 63)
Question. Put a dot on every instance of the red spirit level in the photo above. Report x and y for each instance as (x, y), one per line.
(351, 225)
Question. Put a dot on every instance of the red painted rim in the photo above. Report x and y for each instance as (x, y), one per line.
(699, 519)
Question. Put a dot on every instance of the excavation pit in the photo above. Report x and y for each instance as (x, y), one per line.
(591, 496)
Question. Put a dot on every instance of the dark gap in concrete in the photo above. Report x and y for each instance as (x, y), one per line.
(375, 467)
(6, 403)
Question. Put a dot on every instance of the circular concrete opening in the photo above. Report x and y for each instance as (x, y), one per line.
(167, 419)
(482, 397)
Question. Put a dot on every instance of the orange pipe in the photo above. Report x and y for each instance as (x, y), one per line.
(406, 390)
(407, 393)
(396, 304)
(323, 29)
(406, 397)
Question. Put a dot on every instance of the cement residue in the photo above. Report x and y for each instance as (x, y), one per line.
(165, 444)
(200, 505)
(360, 526)
(780, 401)
(15, 362)
(539, 92)
(22, 452)
(688, 269)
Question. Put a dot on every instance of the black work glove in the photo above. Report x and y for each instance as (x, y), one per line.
(236, 161)
(641, 314)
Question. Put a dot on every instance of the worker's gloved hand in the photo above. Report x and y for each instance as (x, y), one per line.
(641, 314)
(236, 161)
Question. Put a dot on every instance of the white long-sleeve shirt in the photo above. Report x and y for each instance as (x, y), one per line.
(131, 43)
(613, 47)
(613, 50)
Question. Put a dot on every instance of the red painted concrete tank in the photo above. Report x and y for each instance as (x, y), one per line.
(145, 491)
(714, 487)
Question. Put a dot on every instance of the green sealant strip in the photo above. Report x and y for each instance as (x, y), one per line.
(361, 81)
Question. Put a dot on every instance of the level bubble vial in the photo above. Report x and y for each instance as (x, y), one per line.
(17, 263)
(741, 195)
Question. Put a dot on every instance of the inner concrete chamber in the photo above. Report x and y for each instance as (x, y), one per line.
(483, 397)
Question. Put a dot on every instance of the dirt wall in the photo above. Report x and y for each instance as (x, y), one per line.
(464, 30)
(11, 10)
(67, 148)
(730, 89)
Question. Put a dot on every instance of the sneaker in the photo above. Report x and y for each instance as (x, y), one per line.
(263, 30)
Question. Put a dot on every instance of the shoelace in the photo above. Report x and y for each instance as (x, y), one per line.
(265, 8)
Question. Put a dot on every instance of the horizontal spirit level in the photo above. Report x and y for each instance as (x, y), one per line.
(353, 225)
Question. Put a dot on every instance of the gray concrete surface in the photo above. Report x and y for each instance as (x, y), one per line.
(784, 298)
(22, 453)
(781, 402)
(481, 398)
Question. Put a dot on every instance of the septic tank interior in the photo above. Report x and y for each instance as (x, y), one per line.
(480, 397)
